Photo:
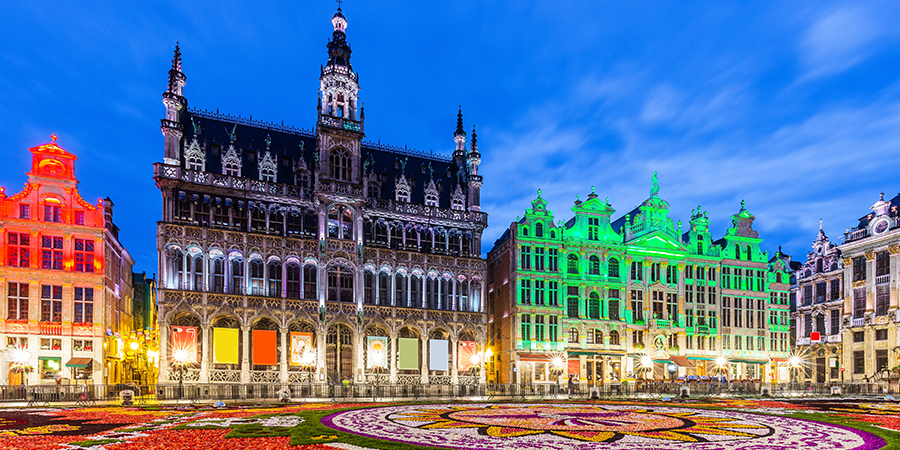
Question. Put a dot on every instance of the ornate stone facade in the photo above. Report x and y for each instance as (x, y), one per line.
(604, 301)
(818, 313)
(281, 229)
(870, 273)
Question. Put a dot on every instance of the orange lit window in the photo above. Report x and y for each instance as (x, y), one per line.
(51, 252)
(79, 217)
(84, 255)
(24, 211)
(18, 252)
(52, 213)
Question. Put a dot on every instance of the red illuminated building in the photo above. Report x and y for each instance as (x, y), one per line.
(65, 278)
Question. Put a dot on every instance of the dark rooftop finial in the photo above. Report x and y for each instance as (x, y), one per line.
(474, 140)
(459, 124)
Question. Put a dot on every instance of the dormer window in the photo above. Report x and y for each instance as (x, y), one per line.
(194, 164)
(79, 217)
(232, 170)
(24, 211)
(267, 175)
(431, 199)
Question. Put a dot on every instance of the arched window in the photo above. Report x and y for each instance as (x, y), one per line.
(614, 338)
(218, 275)
(819, 266)
(524, 231)
(572, 261)
(237, 275)
(274, 279)
(598, 336)
(340, 284)
(594, 306)
(737, 251)
(614, 268)
(400, 290)
(293, 286)
(340, 222)
(196, 271)
(573, 335)
(340, 164)
(256, 278)
(594, 268)
(176, 268)
(310, 273)
(369, 288)
(539, 230)
(749, 254)
(778, 277)
(699, 247)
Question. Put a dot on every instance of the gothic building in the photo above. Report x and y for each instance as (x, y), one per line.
(65, 279)
(818, 312)
(604, 300)
(289, 255)
(869, 331)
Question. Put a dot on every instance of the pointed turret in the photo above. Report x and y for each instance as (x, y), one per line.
(459, 155)
(176, 104)
(474, 180)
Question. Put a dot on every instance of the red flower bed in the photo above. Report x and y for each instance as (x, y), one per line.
(204, 439)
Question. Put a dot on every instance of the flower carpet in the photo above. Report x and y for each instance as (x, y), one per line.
(729, 424)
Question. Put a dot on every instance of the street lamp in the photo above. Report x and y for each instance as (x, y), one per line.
(646, 364)
(181, 357)
(21, 358)
(721, 365)
(557, 365)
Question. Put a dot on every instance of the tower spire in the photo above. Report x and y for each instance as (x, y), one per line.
(459, 124)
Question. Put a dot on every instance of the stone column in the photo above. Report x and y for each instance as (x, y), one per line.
(424, 362)
(245, 358)
(893, 251)
(392, 358)
(320, 357)
(164, 352)
(285, 350)
(204, 358)
(870, 283)
(454, 372)
(482, 376)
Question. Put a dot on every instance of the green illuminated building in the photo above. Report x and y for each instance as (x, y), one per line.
(637, 297)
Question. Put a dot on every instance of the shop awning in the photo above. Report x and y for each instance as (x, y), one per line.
(681, 361)
(535, 358)
(780, 360)
(701, 358)
(749, 361)
(80, 362)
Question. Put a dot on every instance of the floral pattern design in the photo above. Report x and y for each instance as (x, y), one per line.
(581, 426)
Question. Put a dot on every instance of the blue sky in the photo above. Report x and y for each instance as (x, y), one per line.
(791, 106)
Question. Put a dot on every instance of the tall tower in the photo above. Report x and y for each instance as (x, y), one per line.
(176, 104)
(474, 179)
(340, 124)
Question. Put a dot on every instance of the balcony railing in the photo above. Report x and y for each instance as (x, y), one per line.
(883, 279)
(547, 346)
(856, 234)
(858, 322)
(664, 324)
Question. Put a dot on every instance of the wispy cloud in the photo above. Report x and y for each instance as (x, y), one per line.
(842, 38)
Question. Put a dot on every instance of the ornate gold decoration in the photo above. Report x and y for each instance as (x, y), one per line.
(894, 249)
(870, 256)
(848, 262)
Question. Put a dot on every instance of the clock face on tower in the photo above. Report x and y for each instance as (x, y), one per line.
(881, 226)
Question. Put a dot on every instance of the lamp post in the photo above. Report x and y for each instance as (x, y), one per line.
(794, 363)
(721, 365)
(181, 357)
(557, 365)
(21, 358)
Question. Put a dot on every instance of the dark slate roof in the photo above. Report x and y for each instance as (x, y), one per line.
(290, 145)
(501, 239)
(620, 222)
(864, 220)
